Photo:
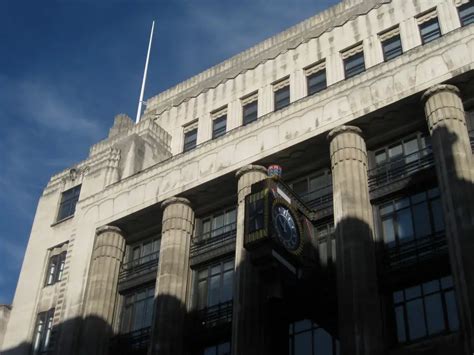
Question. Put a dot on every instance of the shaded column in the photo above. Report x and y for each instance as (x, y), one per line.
(454, 166)
(109, 248)
(359, 310)
(172, 278)
(248, 321)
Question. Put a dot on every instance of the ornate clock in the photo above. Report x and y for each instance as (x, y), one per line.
(285, 226)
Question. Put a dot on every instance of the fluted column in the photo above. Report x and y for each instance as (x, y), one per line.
(454, 166)
(107, 255)
(247, 323)
(358, 301)
(172, 278)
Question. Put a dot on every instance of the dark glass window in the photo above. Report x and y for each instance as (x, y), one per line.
(55, 268)
(307, 338)
(215, 284)
(219, 349)
(406, 150)
(282, 97)
(250, 112)
(425, 309)
(392, 47)
(69, 199)
(137, 311)
(218, 224)
(354, 65)
(466, 13)
(326, 238)
(314, 189)
(316, 81)
(145, 251)
(429, 30)
(190, 139)
(42, 335)
(412, 218)
(219, 126)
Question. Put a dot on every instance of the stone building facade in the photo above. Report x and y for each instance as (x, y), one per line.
(145, 248)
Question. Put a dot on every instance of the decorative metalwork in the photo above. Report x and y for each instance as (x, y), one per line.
(143, 265)
(213, 316)
(134, 343)
(213, 240)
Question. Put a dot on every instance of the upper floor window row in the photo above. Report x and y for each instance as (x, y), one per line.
(69, 199)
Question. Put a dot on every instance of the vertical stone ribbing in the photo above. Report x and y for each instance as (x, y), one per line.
(455, 169)
(109, 248)
(172, 278)
(358, 301)
(247, 324)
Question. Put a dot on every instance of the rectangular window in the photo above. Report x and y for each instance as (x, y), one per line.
(326, 238)
(190, 136)
(281, 91)
(214, 284)
(308, 338)
(219, 123)
(137, 311)
(314, 189)
(466, 13)
(55, 268)
(353, 61)
(219, 349)
(218, 224)
(144, 252)
(43, 329)
(69, 199)
(425, 309)
(429, 27)
(250, 109)
(316, 78)
(405, 151)
(391, 43)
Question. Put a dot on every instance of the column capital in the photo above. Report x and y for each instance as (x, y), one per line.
(436, 89)
(107, 228)
(343, 129)
(175, 200)
(250, 168)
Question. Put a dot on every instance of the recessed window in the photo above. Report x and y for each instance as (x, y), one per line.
(316, 78)
(69, 199)
(353, 61)
(219, 123)
(314, 189)
(190, 137)
(55, 268)
(404, 151)
(42, 335)
(281, 94)
(308, 338)
(219, 349)
(137, 311)
(429, 27)
(250, 109)
(218, 224)
(214, 284)
(425, 309)
(466, 13)
(144, 252)
(391, 44)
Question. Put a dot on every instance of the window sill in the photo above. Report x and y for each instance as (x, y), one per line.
(62, 220)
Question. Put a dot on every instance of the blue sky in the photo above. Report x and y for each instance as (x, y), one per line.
(67, 67)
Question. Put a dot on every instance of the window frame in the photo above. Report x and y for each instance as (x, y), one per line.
(313, 329)
(352, 54)
(424, 21)
(188, 131)
(42, 337)
(55, 262)
(127, 315)
(280, 87)
(461, 7)
(250, 104)
(216, 133)
(388, 37)
(68, 203)
(313, 72)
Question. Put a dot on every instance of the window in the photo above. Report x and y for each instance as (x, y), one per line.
(406, 150)
(219, 349)
(466, 13)
(219, 123)
(314, 189)
(425, 309)
(326, 238)
(411, 218)
(429, 27)
(353, 61)
(144, 252)
(69, 199)
(190, 136)
(137, 311)
(391, 43)
(316, 78)
(55, 268)
(307, 338)
(218, 224)
(250, 109)
(42, 335)
(214, 284)
(281, 91)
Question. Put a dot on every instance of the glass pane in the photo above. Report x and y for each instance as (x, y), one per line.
(223, 349)
(434, 313)
(430, 30)
(213, 291)
(317, 182)
(452, 310)
(392, 48)
(385, 209)
(466, 13)
(322, 342)
(395, 151)
(217, 224)
(410, 147)
(300, 187)
(402, 203)
(447, 282)
(303, 343)
(421, 219)
(316, 82)
(210, 351)
(416, 319)
(206, 227)
(431, 287)
(413, 292)
(400, 320)
(202, 288)
(404, 225)
(227, 284)
(438, 215)
(250, 112)
(420, 197)
(231, 216)
(380, 157)
(354, 64)
(388, 232)
(229, 265)
(302, 325)
(398, 296)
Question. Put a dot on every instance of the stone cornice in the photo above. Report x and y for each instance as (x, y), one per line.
(437, 89)
(344, 129)
(105, 229)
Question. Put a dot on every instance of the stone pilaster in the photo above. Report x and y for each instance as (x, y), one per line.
(358, 301)
(172, 278)
(109, 248)
(247, 324)
(454, 165)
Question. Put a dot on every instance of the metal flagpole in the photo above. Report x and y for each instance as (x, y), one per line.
(140, 101)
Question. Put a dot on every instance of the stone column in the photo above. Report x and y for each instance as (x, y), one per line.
(172, 278)
(454, 165)
(247, 322)
(107, 255)
(359, 309)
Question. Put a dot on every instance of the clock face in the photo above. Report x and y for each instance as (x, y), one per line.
(285, 227)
